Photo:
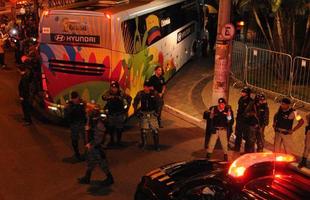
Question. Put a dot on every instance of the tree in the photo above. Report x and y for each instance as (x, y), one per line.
(285, 24)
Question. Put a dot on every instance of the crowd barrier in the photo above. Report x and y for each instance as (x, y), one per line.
(271, 71)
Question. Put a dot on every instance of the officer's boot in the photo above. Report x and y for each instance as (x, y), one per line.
(225, 157)
(109, 180)
(208, 156)
(156, 141)
(143, 139)
(75, 145)
(85, 179)
(303, 162)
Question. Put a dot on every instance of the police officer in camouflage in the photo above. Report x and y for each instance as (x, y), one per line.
(263, 117)
(95, 152)
(256, 117)
(75, 114)
(283, 125)
(241, 126)
(116, 109)
(148, 113)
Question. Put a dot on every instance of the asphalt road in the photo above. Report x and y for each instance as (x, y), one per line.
(35, 161)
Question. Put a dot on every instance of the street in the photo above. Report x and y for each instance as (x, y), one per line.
(36, 160)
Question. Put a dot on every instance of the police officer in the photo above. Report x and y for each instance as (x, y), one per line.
(303, 162)
(116, 109)
(75, 114)
(263, 117)
(283, 125)
(148, 113)
(221, 115)
(95, 153)
(256, 118)
(241, 126)
(159, 85)
(24, 94)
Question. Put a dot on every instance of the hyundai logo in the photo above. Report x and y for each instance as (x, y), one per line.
(59, 38)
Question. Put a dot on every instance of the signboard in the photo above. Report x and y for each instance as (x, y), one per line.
(228, 31)
(71, 38)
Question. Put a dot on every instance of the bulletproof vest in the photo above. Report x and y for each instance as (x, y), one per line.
(282, 120)
(242, 105)
(220, 117)
(115, 105)
(148, 101)
(77, 112)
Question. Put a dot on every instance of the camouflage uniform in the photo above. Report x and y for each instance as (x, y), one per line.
(148, 115)
(75, 114)
(95, 152)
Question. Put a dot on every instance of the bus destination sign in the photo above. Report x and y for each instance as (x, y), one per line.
(70, 38)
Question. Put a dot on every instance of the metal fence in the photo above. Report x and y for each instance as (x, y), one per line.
(300, 80)
(272, 71)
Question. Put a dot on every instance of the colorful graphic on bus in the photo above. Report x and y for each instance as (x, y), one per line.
(84, 51)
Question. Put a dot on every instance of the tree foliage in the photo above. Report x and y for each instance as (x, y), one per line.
(284, 24)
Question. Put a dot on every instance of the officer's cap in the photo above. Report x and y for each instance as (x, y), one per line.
(147, 83)
(74, 95)
(114, 84)
(246, 90)
(286, 101)
(221, 100)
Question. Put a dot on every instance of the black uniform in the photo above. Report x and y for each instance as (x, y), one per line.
(116, 107)
(263, 117)
(95, 152)
(241, 126)
(158, 83)
(75, 114)
(24, 94)
(256, 118)
(148, 114)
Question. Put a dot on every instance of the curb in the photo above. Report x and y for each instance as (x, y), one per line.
(186, 117)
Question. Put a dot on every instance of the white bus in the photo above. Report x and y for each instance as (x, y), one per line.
(83, 49)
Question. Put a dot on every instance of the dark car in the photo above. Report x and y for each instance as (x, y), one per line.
(251, 176)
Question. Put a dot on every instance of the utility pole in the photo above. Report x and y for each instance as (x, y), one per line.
(225, 32)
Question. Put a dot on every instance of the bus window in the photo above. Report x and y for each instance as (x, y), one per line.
(128, 30)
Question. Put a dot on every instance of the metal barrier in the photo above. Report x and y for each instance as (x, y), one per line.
(300, 80)
(268, 70)
(272, 72)
(238, 60)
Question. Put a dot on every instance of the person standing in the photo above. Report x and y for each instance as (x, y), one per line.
(303, 162)
(95, 153)
(159, 85)
(24, 94)
(221, 116)
(241, 126)
(283, 125)
(116, 109)
(256, 118)
(75, 114)
(263, 117)
(148, 113)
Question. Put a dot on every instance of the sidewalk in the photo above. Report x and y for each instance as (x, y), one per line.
(189, 95)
